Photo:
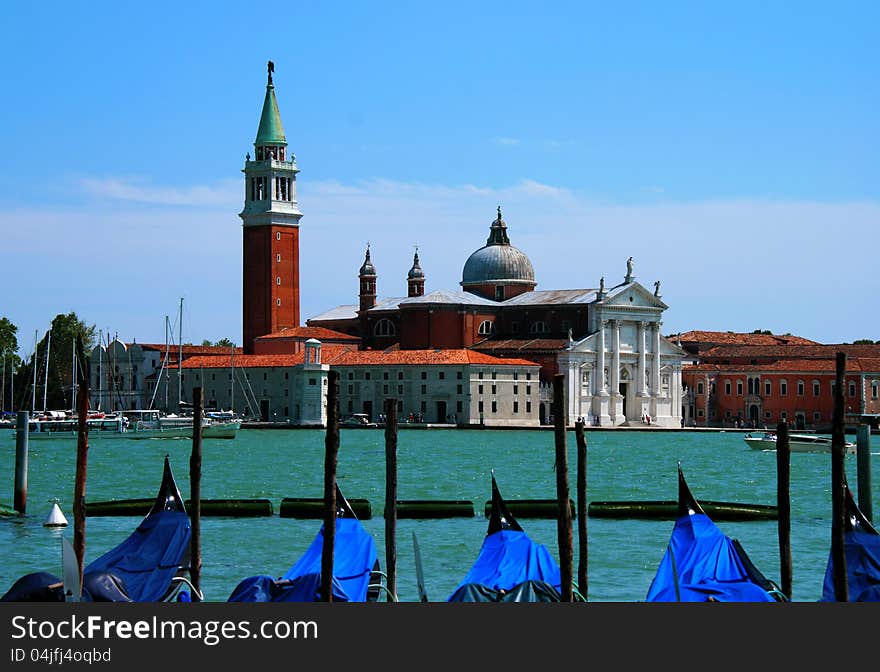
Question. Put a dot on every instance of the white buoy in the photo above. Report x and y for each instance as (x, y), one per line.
(55, 518)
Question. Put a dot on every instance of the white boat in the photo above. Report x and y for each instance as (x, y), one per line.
(134, 424)
(797, 443)
(358, 420)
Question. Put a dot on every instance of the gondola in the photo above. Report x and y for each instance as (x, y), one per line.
(861, 543)
(356, 573)
(702, 564)
(150, 565)
(510, 567)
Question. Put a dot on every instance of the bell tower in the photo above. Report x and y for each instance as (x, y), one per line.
(270, 224)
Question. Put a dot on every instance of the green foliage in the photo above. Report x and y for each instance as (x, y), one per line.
(223, 342)
(763, 331)
(864, 341)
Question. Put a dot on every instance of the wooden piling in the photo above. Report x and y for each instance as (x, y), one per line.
(581, 505)
(783, 506)
(21, 462)
(391, 494)
(863, 457)
(195, 493)
(563, 525)
(838, 479)
(82, 455)
(331, 453)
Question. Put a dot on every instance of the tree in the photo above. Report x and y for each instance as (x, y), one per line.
(863, 341)
(10, 362)
(225, 342)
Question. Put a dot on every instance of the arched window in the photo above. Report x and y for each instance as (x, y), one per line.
(384, 327)
(486, 328)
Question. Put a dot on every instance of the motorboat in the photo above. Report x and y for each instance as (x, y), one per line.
(797, 443)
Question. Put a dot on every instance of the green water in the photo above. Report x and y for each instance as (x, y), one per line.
(432, 464)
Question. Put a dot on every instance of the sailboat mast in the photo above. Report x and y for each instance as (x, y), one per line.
(34, 388)
(73, 378)
(100, 370)
(180, 355)
(232, 379)
(165, 364)
(46, 377)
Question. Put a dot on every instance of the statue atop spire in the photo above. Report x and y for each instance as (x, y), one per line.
(270, 66)
(498, 232)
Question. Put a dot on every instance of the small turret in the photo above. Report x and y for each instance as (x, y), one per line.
(367, 276)
(415, 279)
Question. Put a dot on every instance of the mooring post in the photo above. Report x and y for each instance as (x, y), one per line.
(783, 506)
(21, 461)
(82, 458)
(863, 456)
(195, 495)
(563, 497)
(391, 494)
(582, 506)
(331, 453)
(838, 479)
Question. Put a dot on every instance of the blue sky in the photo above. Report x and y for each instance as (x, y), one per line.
(729, 148)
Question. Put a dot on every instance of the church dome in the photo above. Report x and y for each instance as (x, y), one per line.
(498, 262)
(416, 272)
(367, 268)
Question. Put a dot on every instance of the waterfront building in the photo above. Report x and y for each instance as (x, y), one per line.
(282, 388)
(136, 375)
(607, 342)
(759, 380)
(450, 386)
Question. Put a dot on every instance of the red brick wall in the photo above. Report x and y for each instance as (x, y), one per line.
(261, 313)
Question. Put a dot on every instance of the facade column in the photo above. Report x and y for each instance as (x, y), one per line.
(602, 390)
(641, 374)
(615, 358)
(708, 393)
(655, 372)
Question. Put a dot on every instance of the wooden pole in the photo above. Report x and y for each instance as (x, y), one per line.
(331, 452)
(838, 478)
(195, 495)
(582, 505)
(22, 423)
(391, 494)
(863, 454)
(563, 497)
(82, 455)
(783, 505)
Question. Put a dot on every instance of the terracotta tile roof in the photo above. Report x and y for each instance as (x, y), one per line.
(191, 350)
(527, 344)
(425, 358)
(791, 351)
(329, 354)
(731, 338)
(320, 333)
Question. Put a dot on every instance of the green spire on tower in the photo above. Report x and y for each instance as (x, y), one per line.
(271, 132)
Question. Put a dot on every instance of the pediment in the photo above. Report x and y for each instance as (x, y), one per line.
(633, 295)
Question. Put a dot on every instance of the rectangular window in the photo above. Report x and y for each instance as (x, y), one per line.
(458, 389)
(384, 375)
(441, 375)
(400, 375)
(528, 406)
(287, 411)
(700, 387)
(783, 388)
(384, 389)
(800, 388)
(852, 389)
(286, 375)
(351, 375)
(528, 375)
(494, 389)
(516, 375)
(424, 389)
(424, 375)
(480, 374)
(265, 376)
(528, 389)
(458, 406)
(815, 389)
(494, 375)
(516, 407)
(767, 388)
(480, 406)
(817, 416)
(874, 390)
(516, 391)
(400, 389)
(213, 377)
(313, 381)
(286, 391)
(458, 374)
(366, 375)
(494, 406)
(726, 388)
(350, 405)
(739, 388)
(424, 407)
(479, 389)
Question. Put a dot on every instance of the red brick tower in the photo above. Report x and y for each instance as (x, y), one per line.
(270, 222)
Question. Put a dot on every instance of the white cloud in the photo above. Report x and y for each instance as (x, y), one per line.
(121, 262)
